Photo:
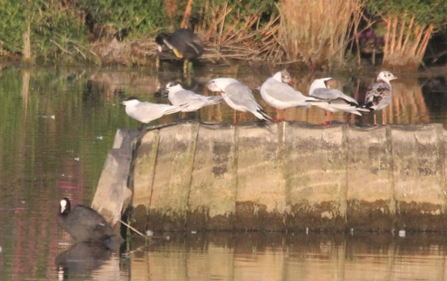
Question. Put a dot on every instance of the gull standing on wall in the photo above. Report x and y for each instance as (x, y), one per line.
(237, 96)
(146, 112)
(278, 94)
(179, 96)
(325, 89)
(379, 95)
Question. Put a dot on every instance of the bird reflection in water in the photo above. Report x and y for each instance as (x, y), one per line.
(82, 259)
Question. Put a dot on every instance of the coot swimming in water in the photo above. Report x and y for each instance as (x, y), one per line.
(83, 223)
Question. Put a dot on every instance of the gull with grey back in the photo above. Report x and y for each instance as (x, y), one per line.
(325, 89)
(238, 96)
(278, 94)
(179, 96)
(146, 112)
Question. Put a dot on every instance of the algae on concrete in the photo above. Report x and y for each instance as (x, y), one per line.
(291, 176)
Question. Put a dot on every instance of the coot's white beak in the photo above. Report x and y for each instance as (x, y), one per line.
(63, 206)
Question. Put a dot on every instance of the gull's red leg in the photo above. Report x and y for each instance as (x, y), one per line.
(330, 119)
(240, 117)
(324, 119)
(278, 113)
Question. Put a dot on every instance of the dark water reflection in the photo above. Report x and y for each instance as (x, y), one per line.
(56, 126)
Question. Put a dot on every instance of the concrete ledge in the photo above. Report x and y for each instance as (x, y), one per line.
(291, 176)
(112, 192)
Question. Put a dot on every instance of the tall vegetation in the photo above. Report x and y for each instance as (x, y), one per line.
(317, 32)
(312, 32)
(45, 28)
(409, 25)
(120, 19)
(235, 29)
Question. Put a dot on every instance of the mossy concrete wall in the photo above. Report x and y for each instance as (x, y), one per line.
(112, 193)
(290, 176)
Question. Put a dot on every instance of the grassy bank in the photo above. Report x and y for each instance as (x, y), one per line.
(316, 34)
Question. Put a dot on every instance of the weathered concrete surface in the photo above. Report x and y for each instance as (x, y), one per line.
(214, 180)
(316, 176)
(172, 177)
(261, 197)
(291, 176)
(144, 170)
(112, 192)
(370, 194)
(419, 178)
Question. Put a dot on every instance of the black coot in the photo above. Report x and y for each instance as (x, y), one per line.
(183, 42)
(83, 223)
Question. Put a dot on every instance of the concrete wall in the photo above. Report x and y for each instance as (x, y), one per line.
(112, 195)
(291, 176)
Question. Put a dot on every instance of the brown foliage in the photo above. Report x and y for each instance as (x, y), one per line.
(316, 32)
(405, 44)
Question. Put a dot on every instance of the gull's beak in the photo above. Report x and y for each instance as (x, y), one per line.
(291, 82)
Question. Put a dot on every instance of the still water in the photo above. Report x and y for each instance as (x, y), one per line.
(57, 125)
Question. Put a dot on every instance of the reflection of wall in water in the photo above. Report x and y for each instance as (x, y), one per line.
(276, 256)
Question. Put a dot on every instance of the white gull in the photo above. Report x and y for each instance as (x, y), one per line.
(177, 95)
(237, 96)
(146, 112)
(278, 94)
(325, 89)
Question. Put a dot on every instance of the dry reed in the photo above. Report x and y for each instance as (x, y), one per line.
(405, 44)
(230, 36)
(317, 32)
(317, 36)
